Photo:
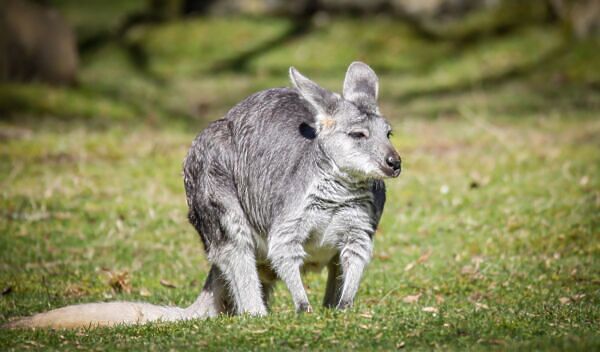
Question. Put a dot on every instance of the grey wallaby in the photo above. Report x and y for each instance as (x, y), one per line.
(289, 180)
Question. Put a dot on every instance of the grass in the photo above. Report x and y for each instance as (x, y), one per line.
(490, 238)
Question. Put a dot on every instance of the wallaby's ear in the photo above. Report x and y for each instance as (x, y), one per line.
(361, 85)
(320, 98)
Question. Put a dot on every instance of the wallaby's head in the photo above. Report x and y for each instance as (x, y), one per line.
(349, 128)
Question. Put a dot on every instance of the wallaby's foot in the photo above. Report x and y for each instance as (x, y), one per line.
(343, 305)
(304, 307)
(261, 312)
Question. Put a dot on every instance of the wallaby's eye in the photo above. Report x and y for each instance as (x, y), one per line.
(357, 135)
(390, 133)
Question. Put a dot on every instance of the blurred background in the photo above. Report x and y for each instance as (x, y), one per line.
(190, 60)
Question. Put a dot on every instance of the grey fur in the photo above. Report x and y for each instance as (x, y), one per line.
(291, 180)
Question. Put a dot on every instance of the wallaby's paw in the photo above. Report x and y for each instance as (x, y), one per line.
(258, 312)
(304, 307)
(343, 305)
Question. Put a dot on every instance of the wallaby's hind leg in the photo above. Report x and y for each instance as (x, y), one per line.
(216, 213)
(213, 299)
(334, 283)
(239, 270)
(232, 251)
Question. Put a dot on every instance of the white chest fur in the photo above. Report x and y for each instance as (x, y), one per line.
(331, 207)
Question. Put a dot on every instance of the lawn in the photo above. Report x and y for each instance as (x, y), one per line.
(490, 237)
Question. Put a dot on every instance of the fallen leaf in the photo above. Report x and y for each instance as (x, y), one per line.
(259, 331)
(400, 345)
(424, 257)
(75, 290)
(497, 342)
(144, 292)
(167, 283)
(119, 281)
(577, 297)
(411, 298)
(383, 256)
(430, 309)
(564, 300)
(468, 270)
(409, 266)
(480, 306)
(476, 296)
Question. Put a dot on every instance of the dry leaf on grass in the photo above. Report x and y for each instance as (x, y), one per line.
(424, 257)
(409, 266)
(439, 299)
(480, 306)
(144, 292)
(577, 297)
(468, 270)
(75, 290)
(411, 298)
(569, 300)
(383, 256)
(430, 309)
(119, 281)
(167, 283)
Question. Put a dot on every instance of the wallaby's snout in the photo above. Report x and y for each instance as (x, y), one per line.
(393, 163)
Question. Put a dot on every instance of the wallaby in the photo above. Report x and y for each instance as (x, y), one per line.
(289, 180)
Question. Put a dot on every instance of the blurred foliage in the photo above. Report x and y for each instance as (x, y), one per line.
(175, 69)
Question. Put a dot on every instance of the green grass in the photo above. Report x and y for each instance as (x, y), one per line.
(494, 221)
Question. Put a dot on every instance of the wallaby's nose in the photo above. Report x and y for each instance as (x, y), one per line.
(393, 161)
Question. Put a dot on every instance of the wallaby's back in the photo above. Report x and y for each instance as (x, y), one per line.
(265, 145)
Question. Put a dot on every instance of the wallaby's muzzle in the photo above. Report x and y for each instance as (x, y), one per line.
(393, 164)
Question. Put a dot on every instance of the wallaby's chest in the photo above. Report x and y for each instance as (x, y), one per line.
(320, 220)
(331, 209)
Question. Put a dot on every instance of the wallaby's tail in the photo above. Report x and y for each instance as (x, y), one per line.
(100, 314)
(208, 304)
